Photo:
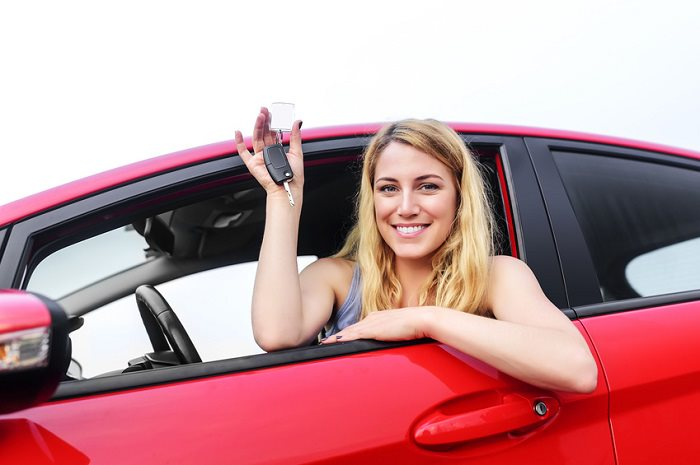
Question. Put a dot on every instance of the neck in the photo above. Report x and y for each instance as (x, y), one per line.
(412, 275)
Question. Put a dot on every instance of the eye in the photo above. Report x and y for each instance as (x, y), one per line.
(388, 188)
(428, 186)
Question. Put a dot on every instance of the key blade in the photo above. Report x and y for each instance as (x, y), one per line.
(289, 193)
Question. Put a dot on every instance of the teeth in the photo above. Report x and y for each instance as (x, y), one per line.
(409, 229)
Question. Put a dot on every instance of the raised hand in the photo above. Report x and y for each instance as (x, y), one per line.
(262, 136)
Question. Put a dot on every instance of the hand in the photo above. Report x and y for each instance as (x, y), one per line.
(262, 136)
(401, 324)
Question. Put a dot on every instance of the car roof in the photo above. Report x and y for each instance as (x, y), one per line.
(75, 190)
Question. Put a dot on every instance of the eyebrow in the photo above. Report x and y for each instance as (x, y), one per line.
(419, 178)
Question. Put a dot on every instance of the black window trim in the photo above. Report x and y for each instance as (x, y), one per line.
(579, 272)
(3, 237)
(580, 278)
(639, 303)
(533, 230)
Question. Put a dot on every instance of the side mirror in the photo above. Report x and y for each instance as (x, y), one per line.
(33, 349)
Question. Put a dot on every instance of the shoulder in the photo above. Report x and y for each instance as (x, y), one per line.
(505, 265)
(511, 278)
(331, 267)
(333, 273)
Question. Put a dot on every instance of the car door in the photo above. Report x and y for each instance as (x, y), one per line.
(627, 224)
(356, 402)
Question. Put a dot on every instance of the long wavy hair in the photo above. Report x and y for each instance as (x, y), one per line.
(461, 265)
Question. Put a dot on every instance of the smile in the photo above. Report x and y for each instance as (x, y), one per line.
(410, 230)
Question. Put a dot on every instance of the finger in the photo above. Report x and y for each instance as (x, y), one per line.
(295, 138)
(336, 338)
(269, 136)
(241, 147)
(259, 130)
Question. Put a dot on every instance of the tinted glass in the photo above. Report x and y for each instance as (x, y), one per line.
(641, 222)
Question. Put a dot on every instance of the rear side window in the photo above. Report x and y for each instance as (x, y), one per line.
(641, 221)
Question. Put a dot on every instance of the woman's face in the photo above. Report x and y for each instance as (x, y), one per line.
(415, 201)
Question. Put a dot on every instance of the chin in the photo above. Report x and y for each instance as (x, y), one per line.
(412, 254)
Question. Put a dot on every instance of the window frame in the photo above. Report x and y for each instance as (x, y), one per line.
(92, 215)
(580, 275)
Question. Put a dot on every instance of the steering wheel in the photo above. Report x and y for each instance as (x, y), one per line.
(164, 327)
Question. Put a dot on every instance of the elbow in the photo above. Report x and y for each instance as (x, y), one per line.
(270, 341)
(584, 383)
(583, 378)
(588, 381)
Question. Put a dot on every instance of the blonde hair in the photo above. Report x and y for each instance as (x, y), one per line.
(461, 264)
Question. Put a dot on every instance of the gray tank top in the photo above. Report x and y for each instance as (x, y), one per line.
(349, 312)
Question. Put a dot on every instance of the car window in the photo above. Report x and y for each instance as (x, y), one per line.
(641, 222)
(198, 248)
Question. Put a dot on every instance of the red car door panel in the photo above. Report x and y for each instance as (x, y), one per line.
(654, 381)
(363, 408)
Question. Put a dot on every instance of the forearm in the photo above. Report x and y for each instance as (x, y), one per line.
(276, 308)
(545, 357)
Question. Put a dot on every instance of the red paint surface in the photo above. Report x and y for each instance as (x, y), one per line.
(652, 366)
(20, 310)
(31, 205)
(351, 409)
(37, 446)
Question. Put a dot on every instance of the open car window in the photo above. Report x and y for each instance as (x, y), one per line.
(198, 246)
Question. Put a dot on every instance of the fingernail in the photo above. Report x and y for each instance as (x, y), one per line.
(300, 123)
(323, 339)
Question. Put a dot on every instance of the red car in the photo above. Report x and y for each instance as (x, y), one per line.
(610, 227)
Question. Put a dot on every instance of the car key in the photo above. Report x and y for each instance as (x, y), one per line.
(278, 166)
(275, 158)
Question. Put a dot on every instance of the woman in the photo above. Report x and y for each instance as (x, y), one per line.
(418, 263)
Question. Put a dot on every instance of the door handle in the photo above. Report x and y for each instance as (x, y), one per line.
(514, 413)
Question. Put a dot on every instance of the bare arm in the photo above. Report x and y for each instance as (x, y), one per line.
(278, 318)
(530, 339)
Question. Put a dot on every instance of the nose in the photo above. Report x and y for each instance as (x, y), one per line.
(408, 206)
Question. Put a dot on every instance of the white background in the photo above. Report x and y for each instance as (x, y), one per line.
(91, 85)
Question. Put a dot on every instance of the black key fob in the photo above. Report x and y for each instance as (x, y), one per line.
(277, 163)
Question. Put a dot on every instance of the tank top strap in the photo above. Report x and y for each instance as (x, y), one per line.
(349, 312)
